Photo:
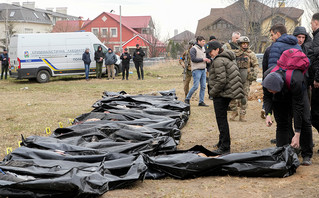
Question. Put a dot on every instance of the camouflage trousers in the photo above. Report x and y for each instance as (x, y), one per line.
(188, 78)
(241, 103)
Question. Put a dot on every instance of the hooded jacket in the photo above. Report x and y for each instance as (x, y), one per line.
(98, 54)
(110, 58)
(224, 77)
(125, 61)
(306, 46)
(282, 44)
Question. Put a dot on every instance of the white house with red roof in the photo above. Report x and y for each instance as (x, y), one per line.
(106, 26)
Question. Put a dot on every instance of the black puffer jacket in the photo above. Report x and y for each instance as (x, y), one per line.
(126, 57)
(314, 58)
(224, 77)
(138, 57)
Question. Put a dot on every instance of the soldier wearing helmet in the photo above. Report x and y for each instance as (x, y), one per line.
(248, 67)
(185, 62)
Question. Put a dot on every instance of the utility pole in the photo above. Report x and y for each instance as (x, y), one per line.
(6, 29)
(121, 30)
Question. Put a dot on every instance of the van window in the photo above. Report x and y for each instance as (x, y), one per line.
(97, 45)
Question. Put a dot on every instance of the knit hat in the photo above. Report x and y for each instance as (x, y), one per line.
(125, 49)
(109, 49)
(274, 82)
(212, 46)
(212, 37)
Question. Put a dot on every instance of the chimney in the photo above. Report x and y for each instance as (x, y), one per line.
(81, 22)
(50, 9)
(16, 3)
(62, 10)
(30, 4)
(175, 32)
(281, 3)
(246, 4)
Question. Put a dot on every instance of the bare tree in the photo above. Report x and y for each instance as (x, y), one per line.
(310, 7)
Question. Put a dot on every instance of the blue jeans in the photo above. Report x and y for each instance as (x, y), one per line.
(87, 70)
(199, 76)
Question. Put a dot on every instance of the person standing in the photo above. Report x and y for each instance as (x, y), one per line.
(110, 60)
(304, 40)
(4, 58)
(211, 38)
(225, 82)
(248, 68)
(138, 61)
(285, 94)
(185, 61)
(87, 61)
(199, 60)
(314, 72)
(98, 57)
(232, 45)
(281, 42)
(125, 57)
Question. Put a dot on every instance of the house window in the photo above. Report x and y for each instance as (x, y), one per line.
(35, 15)
(117, 49)
(104, 32)
(95, 31)
(278, 20)
(28, 30)
(113, 32)
(12, 14)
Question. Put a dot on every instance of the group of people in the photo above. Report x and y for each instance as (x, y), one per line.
(109, 58)
(291, 90)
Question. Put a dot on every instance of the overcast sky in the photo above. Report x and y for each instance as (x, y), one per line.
(167, 14)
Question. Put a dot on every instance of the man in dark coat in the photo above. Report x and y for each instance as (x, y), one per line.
(138, 61)
(4, 58)
(304, 40)
(125, 57)
(314, 72)
(98, 57)
(87, 61)
(281, 100)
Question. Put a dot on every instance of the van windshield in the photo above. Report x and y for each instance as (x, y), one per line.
(103, 48)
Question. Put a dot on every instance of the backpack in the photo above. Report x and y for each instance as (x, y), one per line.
(291, 60)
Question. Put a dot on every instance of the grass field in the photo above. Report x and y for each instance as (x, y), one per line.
(27, 108)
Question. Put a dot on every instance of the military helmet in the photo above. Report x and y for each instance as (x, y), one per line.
(243, 39)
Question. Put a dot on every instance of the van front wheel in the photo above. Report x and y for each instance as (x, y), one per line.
(43, 76)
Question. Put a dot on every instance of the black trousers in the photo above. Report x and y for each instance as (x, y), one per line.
(315, 108)
(283, 117)
(138, 66)
(125, 70)
(4, 70)
(221, 105)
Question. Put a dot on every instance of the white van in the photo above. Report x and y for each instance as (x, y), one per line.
(43, 55)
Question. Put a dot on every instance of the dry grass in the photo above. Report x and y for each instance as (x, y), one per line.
(30, 111)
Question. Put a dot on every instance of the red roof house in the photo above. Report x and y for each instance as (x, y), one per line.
(135, 30)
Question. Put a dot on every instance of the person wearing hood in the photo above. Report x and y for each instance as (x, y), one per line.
(284, 102)
(98, 57)
(304, 40)
(87, 61)
(226, 84)
(110, 60)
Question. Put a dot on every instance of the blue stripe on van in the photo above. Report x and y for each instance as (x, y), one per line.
(31, 60)
(39, 60)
